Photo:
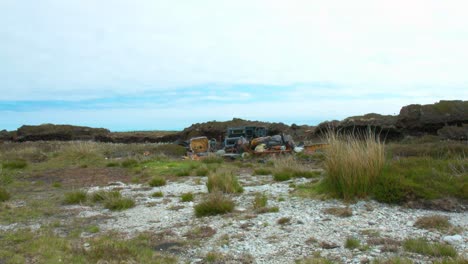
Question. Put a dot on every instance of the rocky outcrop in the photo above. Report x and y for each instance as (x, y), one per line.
(58, 132)
(428, 119)
(448, 119)
(384, 125)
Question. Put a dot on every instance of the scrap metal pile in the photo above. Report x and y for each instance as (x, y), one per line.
(244, 141)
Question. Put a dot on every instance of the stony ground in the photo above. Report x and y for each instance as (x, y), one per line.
(259, 238)
(250, 237)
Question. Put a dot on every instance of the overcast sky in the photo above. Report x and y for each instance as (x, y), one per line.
(153, 64)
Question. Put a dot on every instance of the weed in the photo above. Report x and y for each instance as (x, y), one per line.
(283, 220)
(438, 222)
(15, 164)
(352, 243)
(314, 260)
(262, 171)
(339, 211)
(56, 184)
(214, 204)
(352, 164)
(157, 181)
(281, 199)
(4, 195)
(157, 194)
(224, 181)
(264, 210)
(75, 197)
(421, 246)
(186, 197)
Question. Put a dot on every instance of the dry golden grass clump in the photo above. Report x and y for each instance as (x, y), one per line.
(339, 211)
(352, 164)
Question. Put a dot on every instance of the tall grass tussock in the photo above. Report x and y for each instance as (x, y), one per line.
(353, 162)
(224, 181)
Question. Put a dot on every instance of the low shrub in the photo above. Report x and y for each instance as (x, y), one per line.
(423, 247)
(214, 204)
(15, 164)
(75, 197)
(224, 181)
(186, 197)
(157, 181)
(4, 195)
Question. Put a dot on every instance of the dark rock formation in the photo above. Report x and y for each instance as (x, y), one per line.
(428, 119)
(447, 119)
(384, 125)
(58, 132)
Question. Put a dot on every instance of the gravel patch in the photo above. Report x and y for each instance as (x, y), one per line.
(245, 233)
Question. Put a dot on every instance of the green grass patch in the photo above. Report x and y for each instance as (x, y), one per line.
(352, 243)
(284, 175)
(44, 246)
(260, 201)
(157, 181)
(262, 171)
(15, 164)
(214, 204)
(129, 163)
(157, 194)
(212, 159)
(75, 197)
(118, 204)
(224, 181)
(202, 171)
(4, 195)
(186, 197)
(421, 178)
(423, 247)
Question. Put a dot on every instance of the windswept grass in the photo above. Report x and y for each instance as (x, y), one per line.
(352, 164)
